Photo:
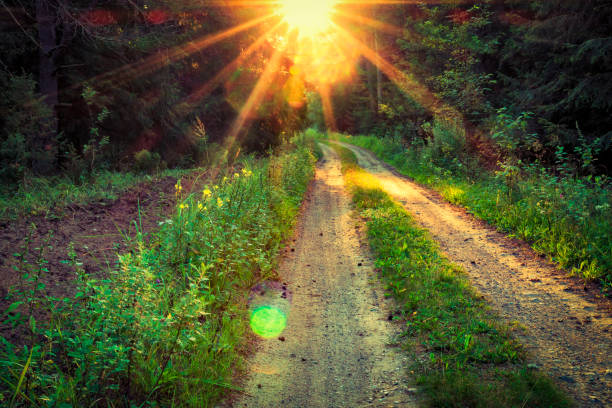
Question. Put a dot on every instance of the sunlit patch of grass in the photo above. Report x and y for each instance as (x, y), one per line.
(466, 357)
(165, 326)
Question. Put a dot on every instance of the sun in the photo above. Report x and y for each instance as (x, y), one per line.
(309, 17)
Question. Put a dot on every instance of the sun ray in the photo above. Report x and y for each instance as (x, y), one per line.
(212, 83)
(242, 3)
(405, 82)
(402, 2)
(262, 85)
(160, 59)
(328, 110)
(378, 25)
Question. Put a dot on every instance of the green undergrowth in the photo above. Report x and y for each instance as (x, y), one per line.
(45, 196)
(165, 327)
(565, 217)
(464, 356)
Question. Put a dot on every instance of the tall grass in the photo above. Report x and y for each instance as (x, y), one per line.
(566, 217)
(164, 327)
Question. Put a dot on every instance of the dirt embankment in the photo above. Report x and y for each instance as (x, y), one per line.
(568, 325)
(337, 349)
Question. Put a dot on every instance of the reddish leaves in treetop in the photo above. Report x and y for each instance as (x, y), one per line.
(157, 16)
(459, 16)
(98, 18)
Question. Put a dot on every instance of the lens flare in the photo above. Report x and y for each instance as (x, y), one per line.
(268, 321)
(309, 17)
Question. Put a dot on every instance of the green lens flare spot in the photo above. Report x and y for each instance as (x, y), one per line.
(268, 321)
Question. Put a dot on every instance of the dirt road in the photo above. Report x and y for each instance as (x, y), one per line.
(569, 330)
(337, 348)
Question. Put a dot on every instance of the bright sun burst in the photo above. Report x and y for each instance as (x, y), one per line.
(309, 17)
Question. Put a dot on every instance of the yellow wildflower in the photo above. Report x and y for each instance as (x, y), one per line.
(200, 206)
(219, 202)
(215, 187)
(236, 175)
(183, 206)
(224, 179)
(206, 193)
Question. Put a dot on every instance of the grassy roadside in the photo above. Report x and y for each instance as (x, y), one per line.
(44, 196)
(567, 218)
(464, 357)
(165, 326)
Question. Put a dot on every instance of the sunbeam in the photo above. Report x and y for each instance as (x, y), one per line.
(402, 2)
(328, 110)
(378, 25)
(263, 83)
(162, 58)
(212, 83)
(402, 80)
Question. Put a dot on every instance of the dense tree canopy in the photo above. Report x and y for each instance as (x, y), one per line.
(90, 83)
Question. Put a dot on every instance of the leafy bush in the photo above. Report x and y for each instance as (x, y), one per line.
(145, 161)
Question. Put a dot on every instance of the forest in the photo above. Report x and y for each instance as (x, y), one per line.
(167, 167)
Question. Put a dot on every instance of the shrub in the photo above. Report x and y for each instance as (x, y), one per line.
(147, 162)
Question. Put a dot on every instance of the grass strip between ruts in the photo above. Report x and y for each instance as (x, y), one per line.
(464, 356)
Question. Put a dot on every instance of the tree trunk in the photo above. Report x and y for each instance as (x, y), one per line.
(378, 75)
(45, 144)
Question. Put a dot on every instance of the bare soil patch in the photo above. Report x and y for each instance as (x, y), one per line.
(97, 232)
(338, 348)
(568, 324)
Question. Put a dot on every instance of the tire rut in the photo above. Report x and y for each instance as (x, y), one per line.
(337, 349)
(568, 331)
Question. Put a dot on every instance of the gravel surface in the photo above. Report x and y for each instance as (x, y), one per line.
(338, 347)
(568, 323)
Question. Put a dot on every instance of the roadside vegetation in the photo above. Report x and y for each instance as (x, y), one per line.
(165, 326)
(464, 355)
(562, 215)
(49, 195)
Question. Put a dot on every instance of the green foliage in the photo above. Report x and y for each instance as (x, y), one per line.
(163, 327)
(512, 134)
(314, 113)
(50, 195)
(566, 217)
(147, 162)
(310, 138)
(473, 360)
(22, 118)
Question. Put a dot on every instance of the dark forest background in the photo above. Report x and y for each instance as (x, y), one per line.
(90, 85)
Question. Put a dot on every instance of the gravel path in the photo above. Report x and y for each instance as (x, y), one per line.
(568, 327)
(337, 349)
